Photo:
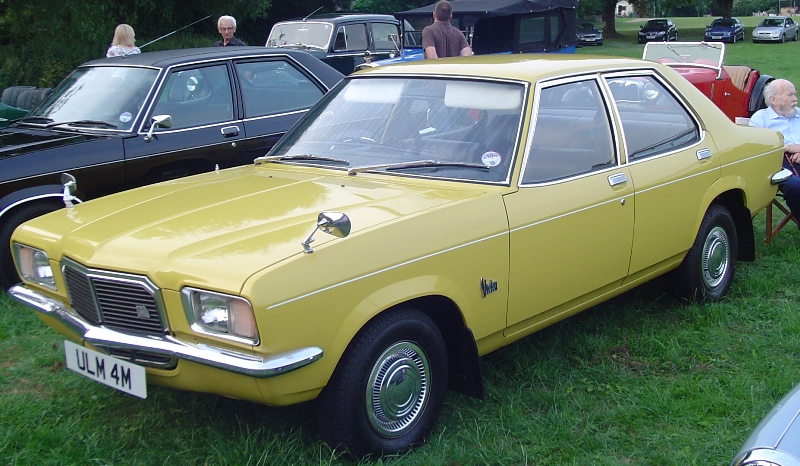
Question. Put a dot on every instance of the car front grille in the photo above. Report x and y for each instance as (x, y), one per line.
(122, 302)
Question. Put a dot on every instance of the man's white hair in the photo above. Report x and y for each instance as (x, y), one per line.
(227, 18)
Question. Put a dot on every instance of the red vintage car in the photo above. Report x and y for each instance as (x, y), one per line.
(736, 89)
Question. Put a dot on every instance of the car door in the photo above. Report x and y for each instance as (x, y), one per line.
(351, 41)
(205, 130)
(791, 28)
(571, 221)
(672, 162)
(275, 92)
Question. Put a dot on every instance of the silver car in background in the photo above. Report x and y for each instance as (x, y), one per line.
(776, 439)
(775, 29)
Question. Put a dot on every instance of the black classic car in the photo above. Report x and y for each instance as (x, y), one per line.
(340, 39)
(117, 123)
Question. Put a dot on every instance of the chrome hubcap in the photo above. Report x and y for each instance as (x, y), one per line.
(398, 389)
(716, 257)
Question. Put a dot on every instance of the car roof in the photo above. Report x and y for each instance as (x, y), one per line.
(523, 67)
(167, 58)
(334, 17)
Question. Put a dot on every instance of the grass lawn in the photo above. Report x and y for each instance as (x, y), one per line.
(643, 379)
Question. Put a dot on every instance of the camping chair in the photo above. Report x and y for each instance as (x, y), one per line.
(787, 217)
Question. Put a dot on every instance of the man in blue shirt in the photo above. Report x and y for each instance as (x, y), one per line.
(781, 115)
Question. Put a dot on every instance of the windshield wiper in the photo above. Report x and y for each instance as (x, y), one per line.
(36, 120)
(665, 141)
(307, 157)
(415, 164)
(100, 123)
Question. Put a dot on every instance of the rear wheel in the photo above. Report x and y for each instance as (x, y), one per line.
(387, 390)
(8, 273)
(707, 271)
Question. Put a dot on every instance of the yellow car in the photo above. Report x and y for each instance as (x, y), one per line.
(418, 217)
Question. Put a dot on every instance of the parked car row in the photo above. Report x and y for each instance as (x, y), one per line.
(217, 282)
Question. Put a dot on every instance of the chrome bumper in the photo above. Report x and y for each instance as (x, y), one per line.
(224, 359)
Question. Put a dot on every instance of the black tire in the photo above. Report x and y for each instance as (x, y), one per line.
(783, 38)
(707, 271)
(734, 37)
(8, 273)
(388, 389)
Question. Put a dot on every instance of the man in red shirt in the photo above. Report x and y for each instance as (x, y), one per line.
(442, 39)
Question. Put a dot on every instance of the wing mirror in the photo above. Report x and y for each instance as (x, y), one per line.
(332, 223)
(159, 121)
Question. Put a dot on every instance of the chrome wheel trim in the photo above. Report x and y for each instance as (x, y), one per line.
(398, 389)
(716, 258)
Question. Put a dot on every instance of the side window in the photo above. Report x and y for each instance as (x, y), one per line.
(385, 36)
(197, 96)
(653, 121)
(351, 37)
(572, 134)
(274, 86)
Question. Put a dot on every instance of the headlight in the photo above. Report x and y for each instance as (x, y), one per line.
(34, 265)
(221, 315)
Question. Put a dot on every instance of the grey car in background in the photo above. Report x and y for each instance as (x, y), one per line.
(776, 439)
(775, 29)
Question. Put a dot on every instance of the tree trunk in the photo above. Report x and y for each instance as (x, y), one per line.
(610, 16)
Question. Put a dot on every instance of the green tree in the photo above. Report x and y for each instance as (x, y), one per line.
(42, 41)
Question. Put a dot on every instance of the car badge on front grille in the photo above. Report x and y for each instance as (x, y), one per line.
(142, 312)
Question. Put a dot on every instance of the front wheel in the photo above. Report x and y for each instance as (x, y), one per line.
(706, 272)
(388, 389)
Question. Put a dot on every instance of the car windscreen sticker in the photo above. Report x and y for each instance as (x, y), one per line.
(125, 117)
(491, 158)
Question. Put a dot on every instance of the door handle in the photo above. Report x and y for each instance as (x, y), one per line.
(617, 178)
(230, 131)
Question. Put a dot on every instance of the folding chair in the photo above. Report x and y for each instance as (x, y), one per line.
(787, 217)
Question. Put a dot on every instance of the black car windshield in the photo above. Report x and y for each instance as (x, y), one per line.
(460, 129)
(111, 97)
(309, 34)
(654, 25)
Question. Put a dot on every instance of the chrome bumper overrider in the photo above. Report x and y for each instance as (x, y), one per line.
(232, 361)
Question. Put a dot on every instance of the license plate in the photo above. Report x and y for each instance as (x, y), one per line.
(115, 373)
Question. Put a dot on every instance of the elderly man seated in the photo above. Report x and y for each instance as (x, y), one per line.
(781, 115)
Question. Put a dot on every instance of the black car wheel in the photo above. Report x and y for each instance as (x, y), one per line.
(388, 389)
(706, 272)
(8, 273)
(783, 38)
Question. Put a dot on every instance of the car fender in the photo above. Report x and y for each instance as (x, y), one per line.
(17, 198)
(757, 95)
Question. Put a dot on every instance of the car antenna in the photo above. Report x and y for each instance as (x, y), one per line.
(173, 32)
(312, 13)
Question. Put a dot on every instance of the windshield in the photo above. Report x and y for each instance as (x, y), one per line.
(655, 25)
(686, 53)
(443, 128)
(728, 23)
(310, 34)
(772, 22)
(109, 96)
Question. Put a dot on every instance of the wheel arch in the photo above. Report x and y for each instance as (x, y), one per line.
(24, 197)
(734, 201)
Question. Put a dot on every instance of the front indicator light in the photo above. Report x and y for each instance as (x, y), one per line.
(34, 265)
(220, 314)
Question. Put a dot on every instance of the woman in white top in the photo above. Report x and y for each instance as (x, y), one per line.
(122, 44)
